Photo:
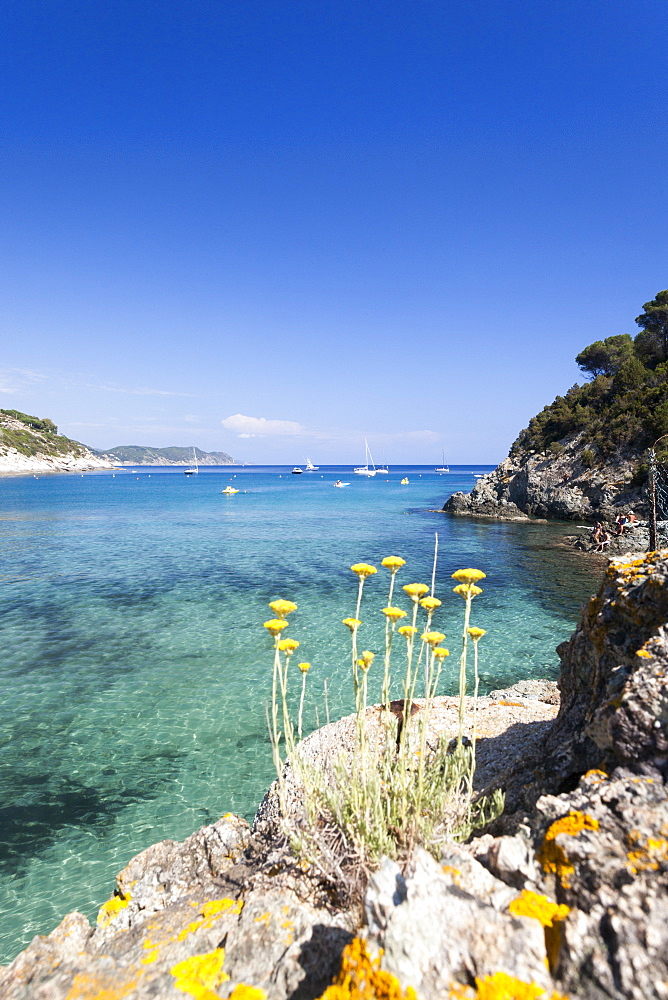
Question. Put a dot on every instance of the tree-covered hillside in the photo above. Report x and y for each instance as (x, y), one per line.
(623, 407)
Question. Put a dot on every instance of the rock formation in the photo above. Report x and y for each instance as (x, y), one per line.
(566, 896)
(560, 487)
(29, 444)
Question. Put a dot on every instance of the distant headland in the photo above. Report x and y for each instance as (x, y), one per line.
(31, 444)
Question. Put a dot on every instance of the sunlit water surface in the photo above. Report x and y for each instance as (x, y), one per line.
(135, 669)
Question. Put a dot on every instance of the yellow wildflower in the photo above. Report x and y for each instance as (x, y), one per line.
(407, 630)
(468, 575)
(477, 633)
(367, 657)
(432, 638)
(276, 625)
(282, 608)
(304, 667)
(531, 904)
(362, 570)
(416, 590)
(393, 563)
(352, 623)
(288, 646)
(467, 590)
(441, 652)
(394, 614)
(430, 603)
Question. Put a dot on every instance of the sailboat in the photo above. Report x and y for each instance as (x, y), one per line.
(442, 467)
(194, 468)
(382, 469)
(310, 467)
(364, 470)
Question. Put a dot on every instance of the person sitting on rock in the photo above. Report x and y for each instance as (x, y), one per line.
(621, 522)
(604, 540)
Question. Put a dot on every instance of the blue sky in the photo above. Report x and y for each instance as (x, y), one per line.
(275, 228)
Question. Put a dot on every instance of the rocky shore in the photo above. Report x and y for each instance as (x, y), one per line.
(555, 487)
(30, 445)
(566, 896)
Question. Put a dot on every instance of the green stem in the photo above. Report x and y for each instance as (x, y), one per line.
(462, 669)
(301, 704)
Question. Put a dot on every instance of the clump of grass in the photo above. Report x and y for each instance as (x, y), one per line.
(393, 791)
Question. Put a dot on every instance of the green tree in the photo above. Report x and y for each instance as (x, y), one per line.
(651, 344)
(605, 357)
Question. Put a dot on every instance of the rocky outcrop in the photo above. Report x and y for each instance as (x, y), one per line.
(560, 487)
(31, 445)
(567, 896)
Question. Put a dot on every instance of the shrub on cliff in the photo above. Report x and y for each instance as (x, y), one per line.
(624, 406)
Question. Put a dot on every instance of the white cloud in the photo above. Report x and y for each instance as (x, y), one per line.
(247, 427)
(139, 391)
(14, 380)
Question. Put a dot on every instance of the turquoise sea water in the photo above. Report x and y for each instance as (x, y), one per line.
(135, 671)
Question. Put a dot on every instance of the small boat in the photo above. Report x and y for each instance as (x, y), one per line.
(310, 467)
(364, 470)
(194, 468)
(442, 467)
(340, 484)
(297, 471)
(405, 481)
(229, 490)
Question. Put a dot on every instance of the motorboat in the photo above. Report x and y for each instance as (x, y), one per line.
(340, 484)
(229, 490)
(405, 481)
(368, 469)
(297, 471)
(194, 468)
(310, 467)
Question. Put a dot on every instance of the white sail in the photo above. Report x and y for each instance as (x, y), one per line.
(368, 469)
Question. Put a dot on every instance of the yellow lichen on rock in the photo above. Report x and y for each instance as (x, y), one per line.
(501, 986)
(198, 974)
(243, 992)
(210, 912)
(532, 904)
(646, 854)
(111, 909)
(361, 978)
(552, 856)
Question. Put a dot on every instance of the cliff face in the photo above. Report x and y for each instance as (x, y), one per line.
(30, 444)
(563, 487)
(569, 898)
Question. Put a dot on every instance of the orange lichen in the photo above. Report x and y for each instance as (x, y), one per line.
(501, 986)
(210, 912)
(243, 992)
(647, 853)
(454, 873)
(197, 976)
(643, 653)
(531, 904)
(109, 910)
(552, 856)
(361, 978)
(511, 704)
(595, 775)
(104, 987)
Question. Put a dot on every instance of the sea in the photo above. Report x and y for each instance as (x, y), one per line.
(135, 671)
